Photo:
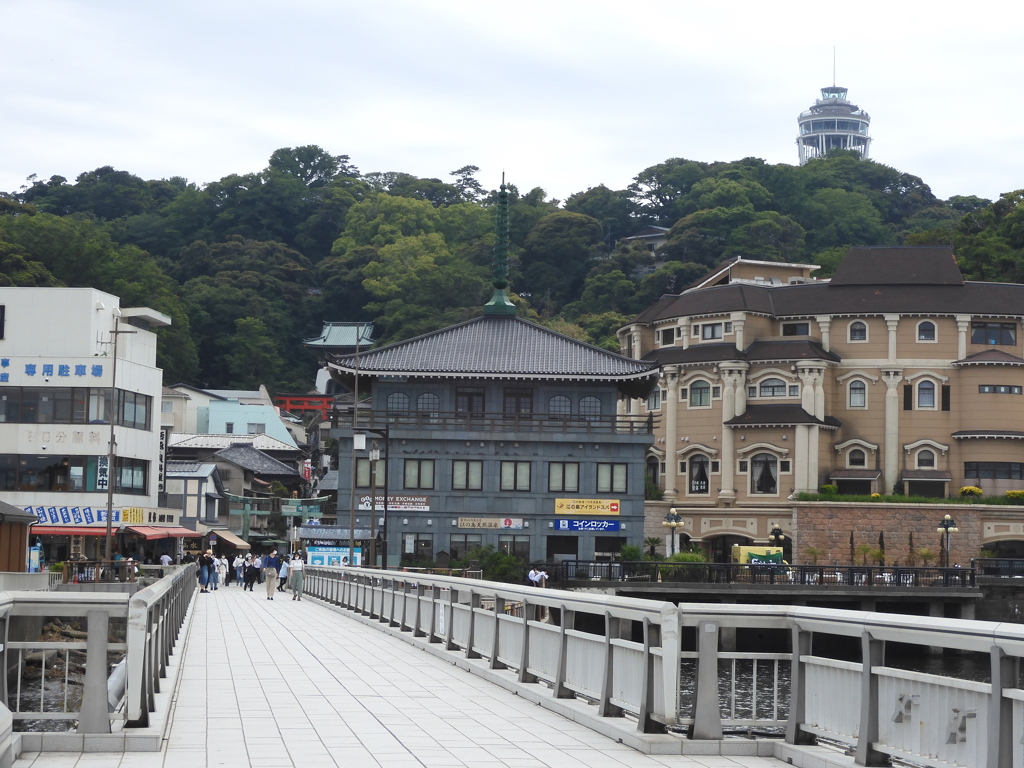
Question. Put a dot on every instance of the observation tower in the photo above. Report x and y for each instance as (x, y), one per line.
(832, 123)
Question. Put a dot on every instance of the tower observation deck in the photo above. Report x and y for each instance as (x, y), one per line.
(832, 123)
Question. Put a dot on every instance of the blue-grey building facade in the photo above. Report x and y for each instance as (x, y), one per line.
(497, 432)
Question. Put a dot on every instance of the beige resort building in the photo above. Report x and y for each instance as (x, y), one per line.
(895, 373)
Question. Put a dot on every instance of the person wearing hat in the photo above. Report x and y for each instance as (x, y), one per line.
(270, 565)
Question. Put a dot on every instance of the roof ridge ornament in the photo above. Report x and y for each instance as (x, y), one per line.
(500, 304)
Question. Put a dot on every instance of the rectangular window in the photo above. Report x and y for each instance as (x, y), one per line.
(742, 468)
(469, 399)
(363, 474)
(611, 478)
(256, 429)
(683, 394)
(515, 476)
(716, 467)
(131, 476)
(728, 327)
(419, 474)
(796, 329)
(654, 400)
(563, 477)
(518, 401)
(464, 543)
(946, 396)
(668, 337)
(1003, 334)
(467, 475)
(794, 390)
(229, 427)
(999, 389)
(716, 392)
(166, 406)
(993, 470)
(517, 546)
(908, 397)
(710, 331)
(784, 466)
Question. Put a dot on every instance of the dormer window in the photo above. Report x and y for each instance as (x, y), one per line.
(710, 331)
(796, 329)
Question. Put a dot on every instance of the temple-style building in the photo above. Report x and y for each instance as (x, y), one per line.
(496, 431)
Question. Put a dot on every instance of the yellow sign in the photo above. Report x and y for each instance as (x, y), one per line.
(586, 506)
(133, 515)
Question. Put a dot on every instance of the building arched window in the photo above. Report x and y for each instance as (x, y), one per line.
(698, 476)
(773, 388)
(926, 459)
(858, 394)
(590, 406)
(560, 405)
(926, 394)
(764, 474)
(398, 401)
(858, 331)
(429, 404)
(926, 331)
(857, 458)
(700, 394)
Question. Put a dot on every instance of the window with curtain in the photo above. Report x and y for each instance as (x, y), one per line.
(419, 474)
(926, 394)
(515, 476)
(773, 388)
(467, 475)
(611, 478)
(699, 482)
(563, 477)
(858, 331)
(858, 458)
(858, 394)
(926, 331)
(926, 460)
(764, 474)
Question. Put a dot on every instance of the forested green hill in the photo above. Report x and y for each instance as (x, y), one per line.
(249, 265)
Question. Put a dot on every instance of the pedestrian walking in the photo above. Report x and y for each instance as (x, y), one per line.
(296, 576)
(531, 577)
(270, 565)
(222, 570)
(239, 565)
(205, 564)
(252, 570)
(282, 575)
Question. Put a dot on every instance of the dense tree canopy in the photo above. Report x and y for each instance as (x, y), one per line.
(249, 265)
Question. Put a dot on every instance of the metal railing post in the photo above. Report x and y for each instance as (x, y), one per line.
(93, 717)
(872, 655)
(1005, 672)
(561, 691)
(798, 689)
(474, 603)
(605, 708)
(707, 718)
(524, 662)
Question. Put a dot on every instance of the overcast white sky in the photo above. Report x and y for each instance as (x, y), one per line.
(561, 94)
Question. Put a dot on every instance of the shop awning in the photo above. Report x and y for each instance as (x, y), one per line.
(70, 530)
(230, 538)
(151, 532)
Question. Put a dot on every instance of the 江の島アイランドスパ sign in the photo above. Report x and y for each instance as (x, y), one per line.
(586, 506)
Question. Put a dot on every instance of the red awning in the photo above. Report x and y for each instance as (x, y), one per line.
(70, 530)
(150, 532)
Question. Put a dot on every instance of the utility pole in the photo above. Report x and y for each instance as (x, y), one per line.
(112, 447)
(355, 424)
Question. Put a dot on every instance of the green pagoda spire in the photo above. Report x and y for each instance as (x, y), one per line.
(500, 304)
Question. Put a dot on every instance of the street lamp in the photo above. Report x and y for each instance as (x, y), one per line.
(672, 521)
(776, 536)
(375, 454)
(947, 526)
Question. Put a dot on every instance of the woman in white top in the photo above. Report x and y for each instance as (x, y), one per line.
(221, 564)
(296, 566)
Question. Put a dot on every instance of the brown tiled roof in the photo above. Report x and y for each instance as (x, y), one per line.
(855, 474)
(696, 353)
(925, 474)
(798, 349)
(900, 265)
(784, 415)
(990, 357)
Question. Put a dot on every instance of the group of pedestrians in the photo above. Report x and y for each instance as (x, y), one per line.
(273, 570)
(213, 571)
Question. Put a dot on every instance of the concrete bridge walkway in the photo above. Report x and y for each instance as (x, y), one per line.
(282, 683)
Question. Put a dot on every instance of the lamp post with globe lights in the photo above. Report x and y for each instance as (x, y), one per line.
(672, 521)
(947, 526)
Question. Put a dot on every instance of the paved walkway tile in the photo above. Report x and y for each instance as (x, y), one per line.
(283, 684)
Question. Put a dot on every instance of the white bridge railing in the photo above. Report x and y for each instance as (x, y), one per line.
(59, 649)
(663, 664)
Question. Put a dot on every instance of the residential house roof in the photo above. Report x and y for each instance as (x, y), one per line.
(254, 460)
(785, 415)
(261, 442)
(343, 335)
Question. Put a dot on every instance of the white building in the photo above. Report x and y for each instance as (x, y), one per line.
(56, 378)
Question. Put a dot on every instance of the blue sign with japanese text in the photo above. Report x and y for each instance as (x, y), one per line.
(587, 525)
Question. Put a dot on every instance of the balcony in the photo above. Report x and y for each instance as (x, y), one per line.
(490, 423)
